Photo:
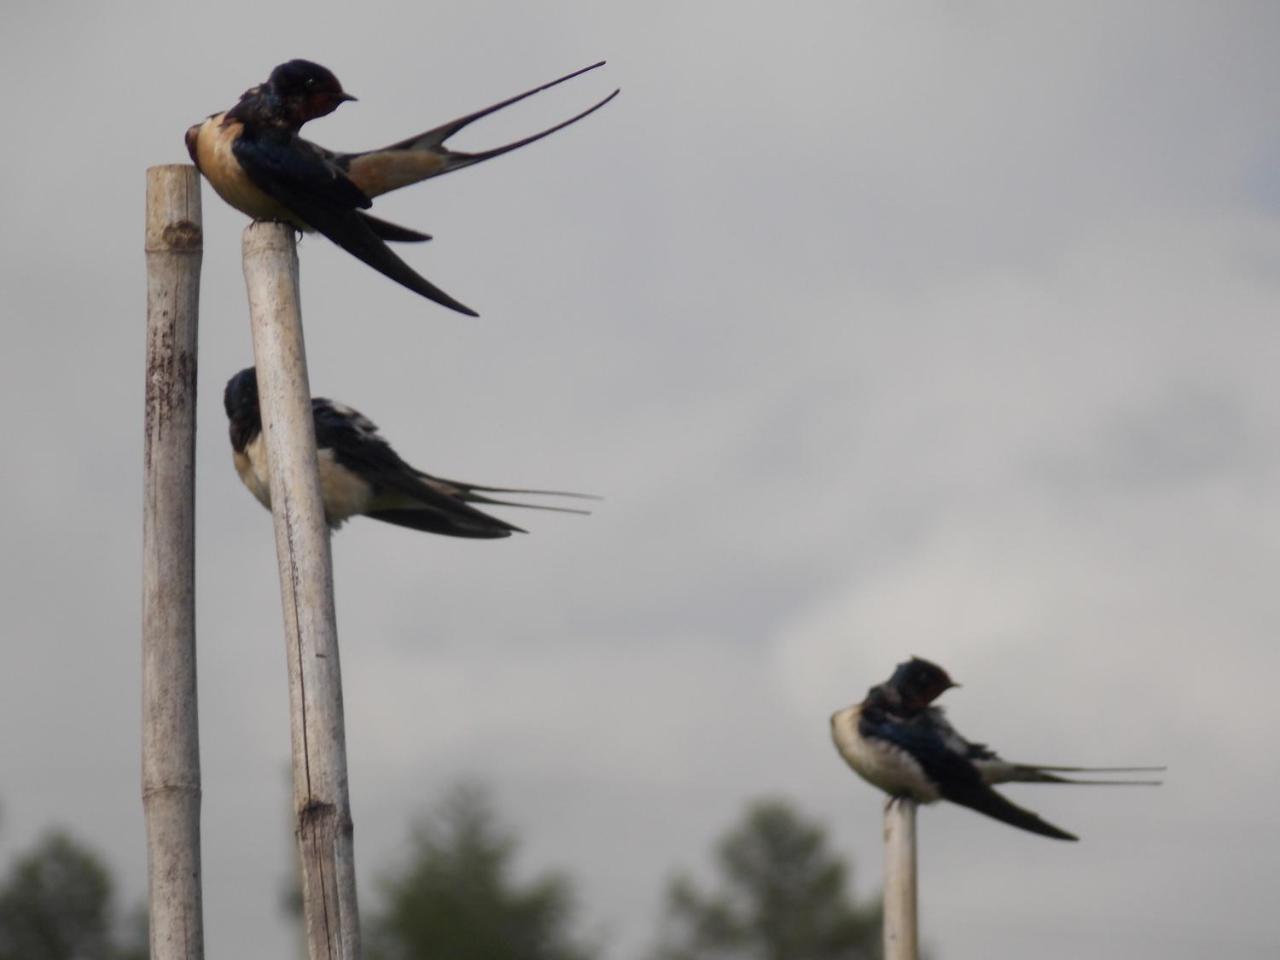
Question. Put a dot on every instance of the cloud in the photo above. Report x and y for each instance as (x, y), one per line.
(946, 331)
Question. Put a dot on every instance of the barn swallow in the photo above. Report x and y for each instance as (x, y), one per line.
(894, 740)
(255, 160)
(361, 474)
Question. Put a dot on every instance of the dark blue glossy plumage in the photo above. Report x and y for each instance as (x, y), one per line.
(897, 741)
(285, 167)
(948, 766)
(360, 473)
(255, 159)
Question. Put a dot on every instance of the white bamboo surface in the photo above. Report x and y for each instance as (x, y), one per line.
(321, 805)
(170, 738)
(900, 922)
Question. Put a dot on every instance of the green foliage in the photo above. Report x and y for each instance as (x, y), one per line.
(783, 895)
(454, 895)
(56, 904)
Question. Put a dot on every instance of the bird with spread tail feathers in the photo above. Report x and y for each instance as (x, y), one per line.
(897, 741)
(255, 160)
(361, 475)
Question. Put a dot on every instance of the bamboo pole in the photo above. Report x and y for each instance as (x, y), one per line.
(170, 737)
(321, 807)
(900, 923)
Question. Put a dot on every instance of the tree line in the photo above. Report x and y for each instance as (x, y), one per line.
(780, 893)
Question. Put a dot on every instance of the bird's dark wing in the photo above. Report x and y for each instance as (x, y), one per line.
(393, 232)
(980, 797)
(300, 177)
(287, 163)
(454, 520)
(946, 764)
(932, 745)
(400, 497)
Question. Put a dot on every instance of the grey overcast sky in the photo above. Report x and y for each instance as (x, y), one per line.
(934, 328)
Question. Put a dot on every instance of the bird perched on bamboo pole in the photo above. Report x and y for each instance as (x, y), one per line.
(255, 160)
(895, 740)
(361, 475)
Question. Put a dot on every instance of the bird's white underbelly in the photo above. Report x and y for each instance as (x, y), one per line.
(890, 768)
(344, 493)
(251, 465)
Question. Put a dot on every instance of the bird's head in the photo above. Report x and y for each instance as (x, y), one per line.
(304, 90)
(919, 682)
(240, 400)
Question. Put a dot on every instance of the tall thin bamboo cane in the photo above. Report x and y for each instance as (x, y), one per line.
(900, 924)
(321, 805)
(170, 737)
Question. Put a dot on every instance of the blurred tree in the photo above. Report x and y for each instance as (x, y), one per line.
(454, 896)
(783, 896)
(134, 938)
(56, 904)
